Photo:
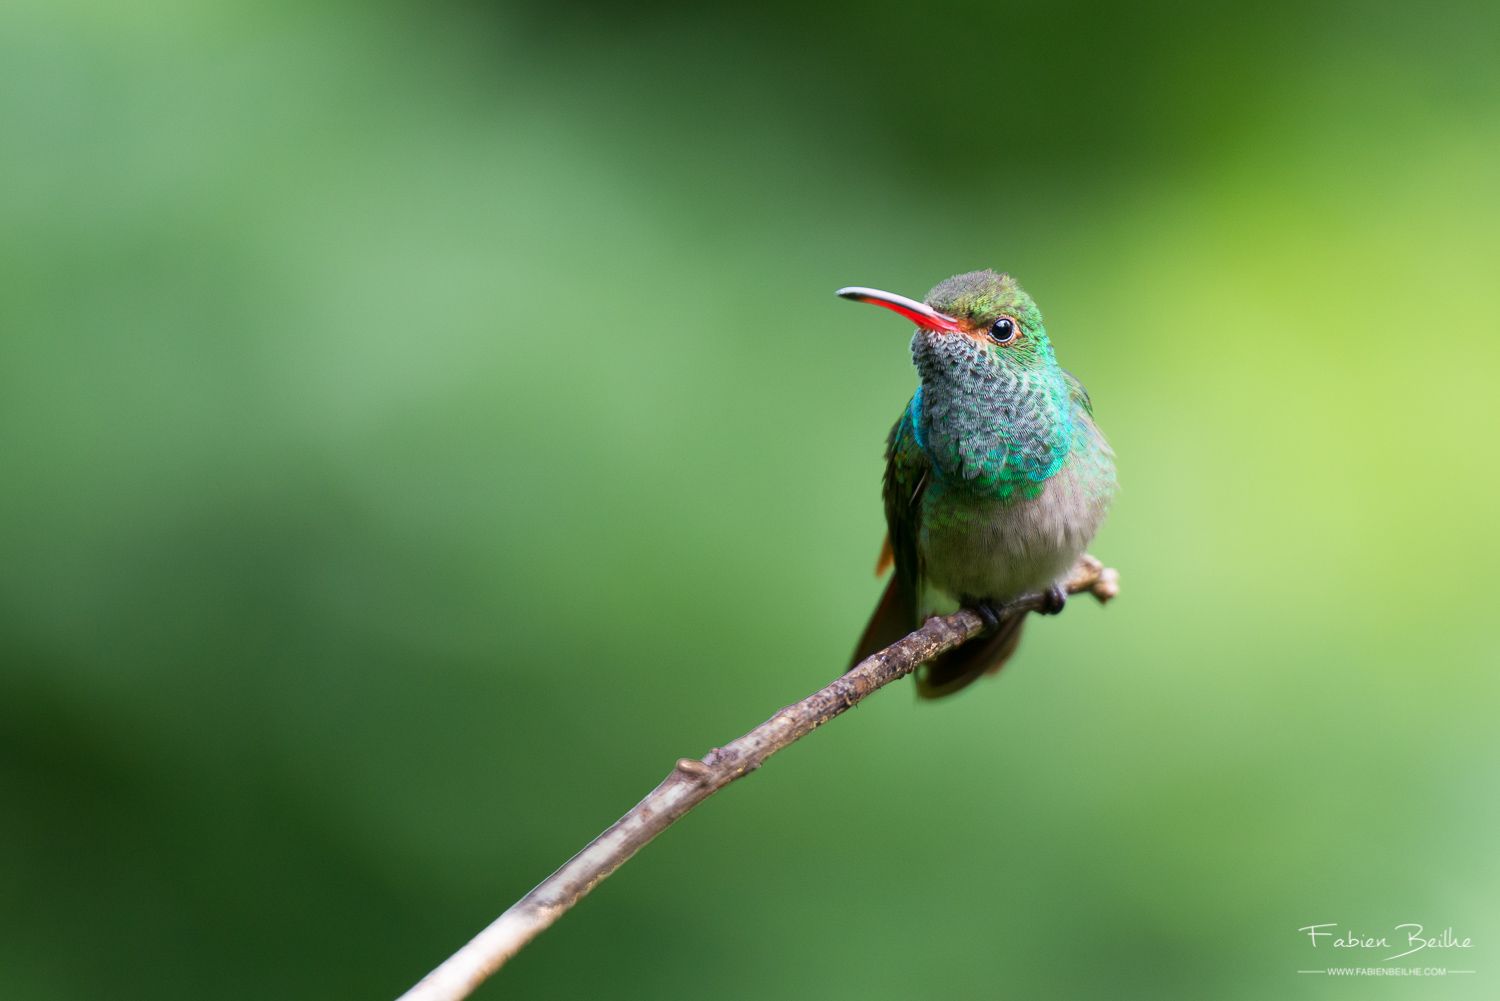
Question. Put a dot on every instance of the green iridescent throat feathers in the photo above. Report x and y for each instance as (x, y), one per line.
(996, 475)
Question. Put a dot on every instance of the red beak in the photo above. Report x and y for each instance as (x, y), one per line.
(919, 313)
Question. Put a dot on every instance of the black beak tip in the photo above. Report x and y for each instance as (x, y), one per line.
(850, 292)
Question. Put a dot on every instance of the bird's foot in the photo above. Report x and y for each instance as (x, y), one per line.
(1054, 599)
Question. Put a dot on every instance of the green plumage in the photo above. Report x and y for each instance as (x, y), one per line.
(996, 475)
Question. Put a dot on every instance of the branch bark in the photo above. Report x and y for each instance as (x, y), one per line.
(692, 781)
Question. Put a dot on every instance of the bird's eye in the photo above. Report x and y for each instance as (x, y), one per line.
(1004, 330)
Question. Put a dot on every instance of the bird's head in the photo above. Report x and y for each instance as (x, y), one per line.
(976, 328)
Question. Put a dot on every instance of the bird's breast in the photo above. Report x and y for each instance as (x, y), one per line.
(986, 548)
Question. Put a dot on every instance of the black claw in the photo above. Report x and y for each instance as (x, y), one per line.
(989, 613)
(1053, 600)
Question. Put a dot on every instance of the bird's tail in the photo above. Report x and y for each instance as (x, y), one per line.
(957, 669)
(890, 621)
(954, 670)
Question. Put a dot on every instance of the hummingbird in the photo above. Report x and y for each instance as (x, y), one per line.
(996, 475)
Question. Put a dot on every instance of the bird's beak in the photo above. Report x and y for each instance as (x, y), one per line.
(919, 313)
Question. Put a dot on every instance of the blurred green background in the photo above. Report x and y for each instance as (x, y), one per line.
(421, 425)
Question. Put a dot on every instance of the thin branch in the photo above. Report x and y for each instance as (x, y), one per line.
(692, 781)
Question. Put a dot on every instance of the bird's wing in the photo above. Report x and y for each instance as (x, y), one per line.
(906, 473)
(1077, 393)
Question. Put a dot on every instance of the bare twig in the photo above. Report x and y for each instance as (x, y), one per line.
(692, 781)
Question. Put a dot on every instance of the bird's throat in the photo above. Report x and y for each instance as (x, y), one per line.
(996, 430)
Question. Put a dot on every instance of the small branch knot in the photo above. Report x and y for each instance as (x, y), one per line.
(1108, 584)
